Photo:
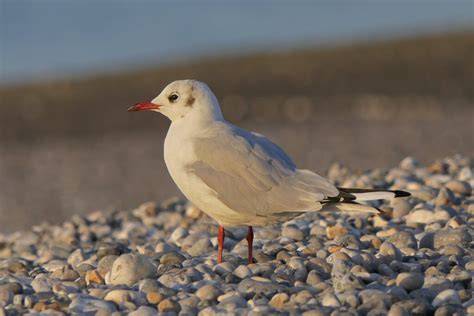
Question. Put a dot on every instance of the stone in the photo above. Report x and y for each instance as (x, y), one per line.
(42, 284)
(200, 247)
(410, 280)
(448, 237)
(445, 197)
(448, 296)
(128, 269)
(330, 300)
(335, 231)
(242, 272)
(292, 232)
(105, 264)
(154, 297)
(420, 216)
(85, 306)
(459, 187)
(92, 276)
(396, 310)
(6, 295)
(403, 239)
(168, 305)
(144, 311)
(172, 258)
(208, 292)
(401, 207)
(278, 300)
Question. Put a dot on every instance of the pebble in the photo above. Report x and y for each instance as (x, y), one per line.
(448, 237)
(403, 239)
(278, 300)
(335, 231)
(201, 247)
(416, 259)
(292, 232)
(208, 293)
(449, 296)
(243, 272)
(410, 280)
(128, 269)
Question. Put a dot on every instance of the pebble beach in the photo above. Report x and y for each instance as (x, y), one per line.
(416, 258)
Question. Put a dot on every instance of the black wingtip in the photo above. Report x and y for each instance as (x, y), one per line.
(400, 193)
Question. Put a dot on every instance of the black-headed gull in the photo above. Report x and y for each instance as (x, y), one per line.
(239, 177)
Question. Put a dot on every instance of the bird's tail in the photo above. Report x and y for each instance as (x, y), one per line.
(348, 200)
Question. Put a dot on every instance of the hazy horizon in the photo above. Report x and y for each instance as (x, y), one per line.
(101, 36)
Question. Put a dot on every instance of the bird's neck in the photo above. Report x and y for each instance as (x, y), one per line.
(195, 122)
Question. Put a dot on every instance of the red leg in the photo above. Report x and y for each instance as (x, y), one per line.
(220, 243)
(250, 243)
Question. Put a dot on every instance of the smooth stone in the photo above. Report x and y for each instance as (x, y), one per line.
(123, 296)
(348, 282)
(403, 239)
(172, 258)
(389, 252)
(144, 311)
(445, 197)
(105, 264)
(243, 272)
(168, 305)
(128, 269)
(84, 305)
(459, 187)
(292, 232)
(448, 296)
(448, 237)
(335, 231)
(200, 247)
(259, 285)
(410, 280)
(330, 300)
(148, 285)
(413, 307)
(110, 248)
(401, 207)
(208, 293)
(278, 300)
(396, 310)
(6, 295)
(420, 217)
(42, 284)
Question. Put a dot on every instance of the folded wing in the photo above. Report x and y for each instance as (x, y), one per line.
(252, 175)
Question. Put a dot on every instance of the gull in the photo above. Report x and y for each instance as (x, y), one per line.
(237, 177)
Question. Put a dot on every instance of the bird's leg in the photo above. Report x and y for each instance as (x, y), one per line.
(250, 243)
(220, 243)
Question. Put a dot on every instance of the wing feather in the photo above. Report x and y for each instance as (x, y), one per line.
(252, 175)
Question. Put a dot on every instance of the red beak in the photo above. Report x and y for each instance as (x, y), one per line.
(144, 106)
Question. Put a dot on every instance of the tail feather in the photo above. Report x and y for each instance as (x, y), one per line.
(349, 207)
(348, 194)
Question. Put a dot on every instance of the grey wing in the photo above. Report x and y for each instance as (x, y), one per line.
(253, 176)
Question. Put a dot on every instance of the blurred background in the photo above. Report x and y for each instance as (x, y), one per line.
(363, 83)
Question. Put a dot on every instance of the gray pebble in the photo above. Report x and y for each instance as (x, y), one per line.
(410, 280)
(208, 293)
(403, 239)
(448, 296)
(449, 237)
(200, 247)
(292, 232)
(128, 269)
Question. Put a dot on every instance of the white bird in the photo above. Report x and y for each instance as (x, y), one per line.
(239, 177)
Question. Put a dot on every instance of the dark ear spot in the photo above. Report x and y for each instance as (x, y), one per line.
(190, 101)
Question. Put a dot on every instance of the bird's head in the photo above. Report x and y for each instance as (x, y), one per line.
(181, 99)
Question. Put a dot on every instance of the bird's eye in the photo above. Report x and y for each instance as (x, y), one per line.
(173, 97)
